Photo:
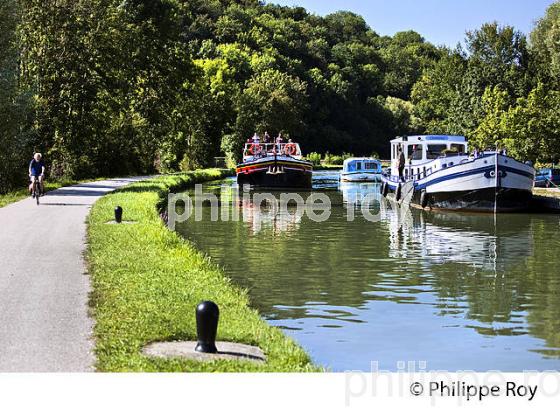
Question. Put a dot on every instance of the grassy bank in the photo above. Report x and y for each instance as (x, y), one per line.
(147, 282)
(327, 167)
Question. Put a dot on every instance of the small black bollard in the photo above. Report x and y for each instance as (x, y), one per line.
(207, 315)
(118, 214)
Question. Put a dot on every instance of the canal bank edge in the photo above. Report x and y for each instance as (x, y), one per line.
(147, 281)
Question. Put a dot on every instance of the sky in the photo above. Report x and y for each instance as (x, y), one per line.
(442, 22)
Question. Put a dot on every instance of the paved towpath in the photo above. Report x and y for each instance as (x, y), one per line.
(44, 288)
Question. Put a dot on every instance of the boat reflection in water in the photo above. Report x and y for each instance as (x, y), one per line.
(358, 193)
(279, 216)
(477, 241)
(488, 242)
(263, 216)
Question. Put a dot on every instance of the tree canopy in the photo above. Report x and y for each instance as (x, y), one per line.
(108, 87)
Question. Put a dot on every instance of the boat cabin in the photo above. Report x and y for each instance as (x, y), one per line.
(421, 152)
(363, 165)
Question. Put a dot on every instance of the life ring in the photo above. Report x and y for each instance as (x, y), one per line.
(424, 199)
(384, 189)
(254, 149)
(398, 193)
(290, 149)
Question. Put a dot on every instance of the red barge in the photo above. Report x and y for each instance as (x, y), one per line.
(274, 166)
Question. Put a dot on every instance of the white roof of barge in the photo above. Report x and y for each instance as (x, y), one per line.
(357, 159)
(431, 138)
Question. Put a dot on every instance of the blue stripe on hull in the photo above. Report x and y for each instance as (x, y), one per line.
(454, 176)
(418, 185)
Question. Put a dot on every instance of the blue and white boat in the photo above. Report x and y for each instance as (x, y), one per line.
(361, 170)
(440, 174)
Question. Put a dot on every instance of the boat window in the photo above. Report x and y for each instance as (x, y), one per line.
(555, 172)
(415, 151)
(359, 166)
(435, 150)
(370, 165)
(460, 148)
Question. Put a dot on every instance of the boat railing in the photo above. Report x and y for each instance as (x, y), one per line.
(261, 150)
(410, 176)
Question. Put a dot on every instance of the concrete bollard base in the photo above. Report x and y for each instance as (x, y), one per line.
(226, 351)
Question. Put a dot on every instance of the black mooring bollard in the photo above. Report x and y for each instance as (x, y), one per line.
(118, 214)
(207, 315)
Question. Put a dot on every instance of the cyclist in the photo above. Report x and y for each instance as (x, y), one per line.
(37, 170)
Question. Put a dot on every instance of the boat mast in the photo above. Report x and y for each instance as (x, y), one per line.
(496, 185)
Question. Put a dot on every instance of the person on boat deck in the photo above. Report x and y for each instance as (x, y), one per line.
(401, 162)
(256, 139)
(279, 142)
(475, 153)
(413, 155)
(266, 138)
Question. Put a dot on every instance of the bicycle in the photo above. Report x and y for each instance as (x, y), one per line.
(36, 191)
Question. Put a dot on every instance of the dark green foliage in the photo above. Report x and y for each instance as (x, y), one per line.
(119, 87)
(15, 136)
(135, 86)
(108, 82)
(545, 46)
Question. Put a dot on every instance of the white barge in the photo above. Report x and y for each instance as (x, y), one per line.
(361, 170)
(439, 173)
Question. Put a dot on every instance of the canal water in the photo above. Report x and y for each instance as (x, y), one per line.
(379, 285)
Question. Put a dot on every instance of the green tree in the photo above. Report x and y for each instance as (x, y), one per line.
(491, 132)
(452, 97)
(272, 101)
(403, 115)
(499, 56)
(533, 126)
(15, 138)
(529, 129)
(405, 57)
(436, 92)
(545, 45)
(345, 26)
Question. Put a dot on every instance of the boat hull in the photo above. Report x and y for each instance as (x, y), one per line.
(275, 174)
(360, 177)
(471, 186)
(478, 200)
